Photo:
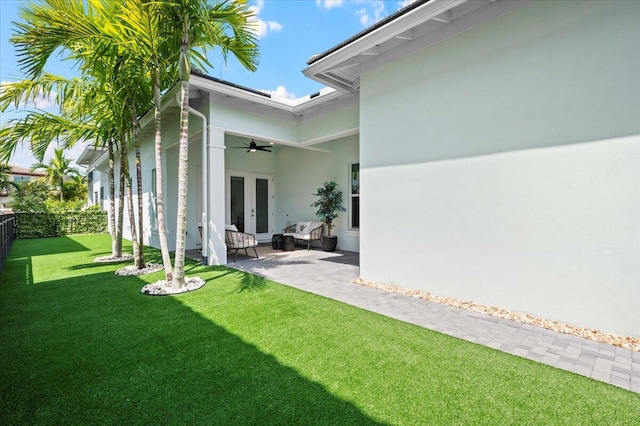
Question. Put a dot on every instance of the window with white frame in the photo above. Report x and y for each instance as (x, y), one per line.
(354, 196)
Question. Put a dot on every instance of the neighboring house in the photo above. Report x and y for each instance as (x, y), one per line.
(18, 174)
(494, 146)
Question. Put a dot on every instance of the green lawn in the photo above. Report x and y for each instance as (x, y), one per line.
(79, 345)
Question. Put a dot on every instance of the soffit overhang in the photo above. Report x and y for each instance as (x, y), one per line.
(299, 110)
(408, 32)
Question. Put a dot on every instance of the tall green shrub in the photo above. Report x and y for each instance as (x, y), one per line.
(55, 224)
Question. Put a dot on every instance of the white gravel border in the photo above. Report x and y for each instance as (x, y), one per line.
(596, 335)
(111, 259)
(131, 270)
(162, 288)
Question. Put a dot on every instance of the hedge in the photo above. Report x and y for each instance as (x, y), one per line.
(47, 224)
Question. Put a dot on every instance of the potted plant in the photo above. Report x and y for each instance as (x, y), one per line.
(328, 203)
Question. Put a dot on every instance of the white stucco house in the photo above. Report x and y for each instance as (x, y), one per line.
(487, 150)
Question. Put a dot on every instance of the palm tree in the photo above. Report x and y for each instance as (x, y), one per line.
(76, 189)
(88, 114)
(57, 170)
(203, 26)
(151, 26)
(152, 42)
(150, 37)
(85, 31)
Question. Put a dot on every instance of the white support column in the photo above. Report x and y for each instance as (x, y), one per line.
(216, 198)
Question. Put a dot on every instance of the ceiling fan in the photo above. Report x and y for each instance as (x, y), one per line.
(253, 147)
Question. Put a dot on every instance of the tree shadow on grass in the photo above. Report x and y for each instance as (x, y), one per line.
(46, 246)
(249, 282)
(87, 349)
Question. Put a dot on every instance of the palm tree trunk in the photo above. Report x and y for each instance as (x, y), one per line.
(162, 230)
(139, 261)
(116, 249)
(183, 169)
(132, 217)
(121, 200)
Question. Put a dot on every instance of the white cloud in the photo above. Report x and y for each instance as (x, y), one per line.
(329, 4)
(280, 92)
(405, 3)
(263, 28)
(40, 102)
(372, 12)
(274, 26)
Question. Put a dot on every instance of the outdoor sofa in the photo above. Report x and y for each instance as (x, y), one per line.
(305, 231)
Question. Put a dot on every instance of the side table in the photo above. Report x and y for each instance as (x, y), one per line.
(288, 243)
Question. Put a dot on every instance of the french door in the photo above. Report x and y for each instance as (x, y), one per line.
(249, 203)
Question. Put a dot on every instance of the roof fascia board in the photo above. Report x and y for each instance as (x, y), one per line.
(209, 85)
(100, 161)
(368, 41)
(333, 136)
(491, 10)
(88, 154)
(167, 100)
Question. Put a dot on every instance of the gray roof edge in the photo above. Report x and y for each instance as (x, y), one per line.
(397, 14)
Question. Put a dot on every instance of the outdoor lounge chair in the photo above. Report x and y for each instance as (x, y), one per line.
(305, 231)
(237, 240)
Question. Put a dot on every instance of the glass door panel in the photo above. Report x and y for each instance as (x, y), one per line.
(262, 206)
(249, 203)
(237, 202)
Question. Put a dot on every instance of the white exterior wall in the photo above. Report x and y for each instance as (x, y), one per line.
(330, 124)
(170, 142)
(502, 166)
(249, 123)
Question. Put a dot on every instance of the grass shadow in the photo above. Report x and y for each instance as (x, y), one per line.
(20, 268)
(46, 246)
(250, 282)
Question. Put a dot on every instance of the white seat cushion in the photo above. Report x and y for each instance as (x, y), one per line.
(298, 236)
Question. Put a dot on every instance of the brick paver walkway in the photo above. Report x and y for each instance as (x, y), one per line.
(329, 275)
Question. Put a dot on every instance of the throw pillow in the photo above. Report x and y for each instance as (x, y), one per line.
(303, 227)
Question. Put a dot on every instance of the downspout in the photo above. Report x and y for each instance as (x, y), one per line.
(205, 181)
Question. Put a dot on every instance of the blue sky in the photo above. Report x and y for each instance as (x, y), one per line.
(290, 32)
